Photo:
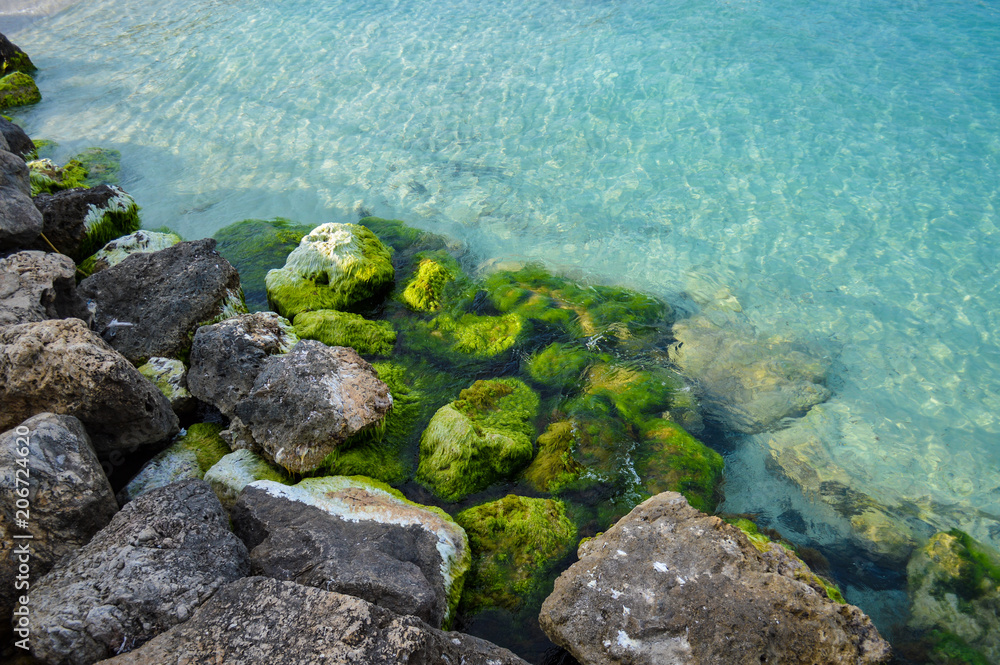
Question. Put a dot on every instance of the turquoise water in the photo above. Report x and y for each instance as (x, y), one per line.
(823, 172)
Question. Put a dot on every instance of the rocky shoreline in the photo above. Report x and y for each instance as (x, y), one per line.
(199, 479)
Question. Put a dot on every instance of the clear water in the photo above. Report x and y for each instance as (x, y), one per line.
(835, 166)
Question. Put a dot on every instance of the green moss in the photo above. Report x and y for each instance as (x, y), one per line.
(559, 365)
(335, 328)
(514, 541)
(208, 446)
(554, 466)
(500, 404)
(670, 459)
(18, 89)
(255, 246)
(232, 305)
(423, 293)
(44, 149)
(17, 62)
(119, 216)
(238, 469)
(189, 456)
(48, 178)
(118, 250)
(102, 166)
(467, 335)
(393, 232)
(946, 648)
(636, 393)
(978, 568)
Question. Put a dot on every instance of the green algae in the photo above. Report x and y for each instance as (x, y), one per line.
(670, 459)
(945, 648)
(554, 466)
(119, 249)
(424, 292)
(335, 328)
(236, 470)
(468, 335)
(119, 216)
(47, 178)
(102, 166)
(255, 246)
(18, 89)
(191, 455)
(560, 365)
(17, 62)
(636, 393)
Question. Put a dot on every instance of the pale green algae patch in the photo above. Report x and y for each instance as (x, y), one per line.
(336, 266)
(255, 246)
(342, 496)
(18, 89)
(47, 178)
(119, 249)
(469, 334)
(481, 438)
(193, 453)
(170, 376)
(425, 290)
(102, 166)
(671, 460)
(515, 541)
(238, 469)
(335, 328)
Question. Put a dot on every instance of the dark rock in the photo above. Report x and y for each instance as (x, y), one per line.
(17, 141)
(35, 286)
(80, 221)
(63, 367)
(69, 496)
(13, 59)
(306, 403)
(160, 558)
(151, 304)
(20, 220)
(284, 622)
(668, 584)
(227, 357)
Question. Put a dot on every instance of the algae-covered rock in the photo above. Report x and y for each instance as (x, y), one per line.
(118, 249)
(194, 452)
(170, 376)
(101, 164)
(336, 266)
(514, 540)
(423, 293)
(637, 392)
(13, 59)
(236, 470)
(18, 89)
(335, 328)
(560, 365)
(554, 466)
(255, 246)
(480, 438)
(466, 335)
(47, 178)
(670, 459)
(78, 222)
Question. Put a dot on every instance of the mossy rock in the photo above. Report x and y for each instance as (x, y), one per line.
(481, 438)
(236, 470)
(554, 466)
(944, 648)
(13, 59)
(425, 291)
(335, 328)
(18, 89)
(119, 249)
(102, 166)
(48, 178)
(336, 266)
(119, 216)
(191, 454)
(514, 541)
(671, 460)
(636, 392)
(466, 336)
(603, 445)
(409, 244)
(560, 365)
(255, 246)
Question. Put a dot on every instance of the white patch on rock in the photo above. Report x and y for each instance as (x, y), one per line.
(660, 566)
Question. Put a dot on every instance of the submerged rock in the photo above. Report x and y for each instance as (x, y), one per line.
(424, 292)
(670, 459)
(35, 286)
(78, 222)
(119, 249)
(335, 328)
(20, 220)
(194, 452)
(101, 164)
(18, 89)
(170, 376)
(236, 470)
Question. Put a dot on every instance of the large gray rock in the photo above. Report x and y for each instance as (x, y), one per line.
(35, 286)
(20, 220)
(151, 304)
(260, 620)
(79, 221)
(63, 367)
(69, 497)
(307, 402)
(227, 357)
(160, 558)
(669, 584)
(17, 141)
(357, 537)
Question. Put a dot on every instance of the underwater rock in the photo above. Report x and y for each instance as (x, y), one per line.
(226, 357)
(359, 537)
(151, 304)
(70, 496)
(20, 220)
(467, 335)
(13, 59)
(514, 540)
(236, 470)
(161, 556)
(306, 403)
(18, 89)
(335, 328)
(482, 437)
(336, 266)
(560, 365)
(423, 293)
(670, 584)
(554, 466)
(119, 249)
(305, 626)
(35, 286)
(170, 376)
(101, 164)
(194, 452)
(78, 222)
(18, 142)
(670, 459)
(63, 367)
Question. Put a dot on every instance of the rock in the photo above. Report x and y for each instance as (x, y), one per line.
(78, 222)
(307, 626)
(306, 403)
(194, 452)
(17, 141)
(236, 470)
(481, 438)
(335, 328)
(670, 459)
(48, 178)
(336, 266)
(63, 367)
(359, 537)
(515, 542)
(117, 250)
(101, 164)
(162, 556)
(35, 286)
(68, 494)
(18, 89)
(13, 59)
(170, 376)
(151, 304)
(423, 293)
(20, 220)
(226, 357)
(670, 584)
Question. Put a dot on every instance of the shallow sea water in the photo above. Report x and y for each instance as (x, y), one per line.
(827, 171)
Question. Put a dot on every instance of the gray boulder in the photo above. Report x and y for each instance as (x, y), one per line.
(70, 498)
(79, 221)
(20, 220)
(161, 557)
(17, 141)
(35, 286)
(151, 304)
(302, 625)
(63, 367)
(227, 357)
(307, 402)
(358, 537)
(669, 584)
(170, 376)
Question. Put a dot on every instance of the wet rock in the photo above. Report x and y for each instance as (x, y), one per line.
(140, 242)
(170, 376)
(161, 557)
(670, 584)
(13, 59)
(20, 220)
(151, 304)
(35, 286)
(238, 469)
(17, 141)
(78, 221)
(308, 626)
(359, 537)
(226, 357)
(63, 367)
(195, 451)
(18, 89)
(306, 403)
(335, 328)
(69, 496)
(47, 177)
